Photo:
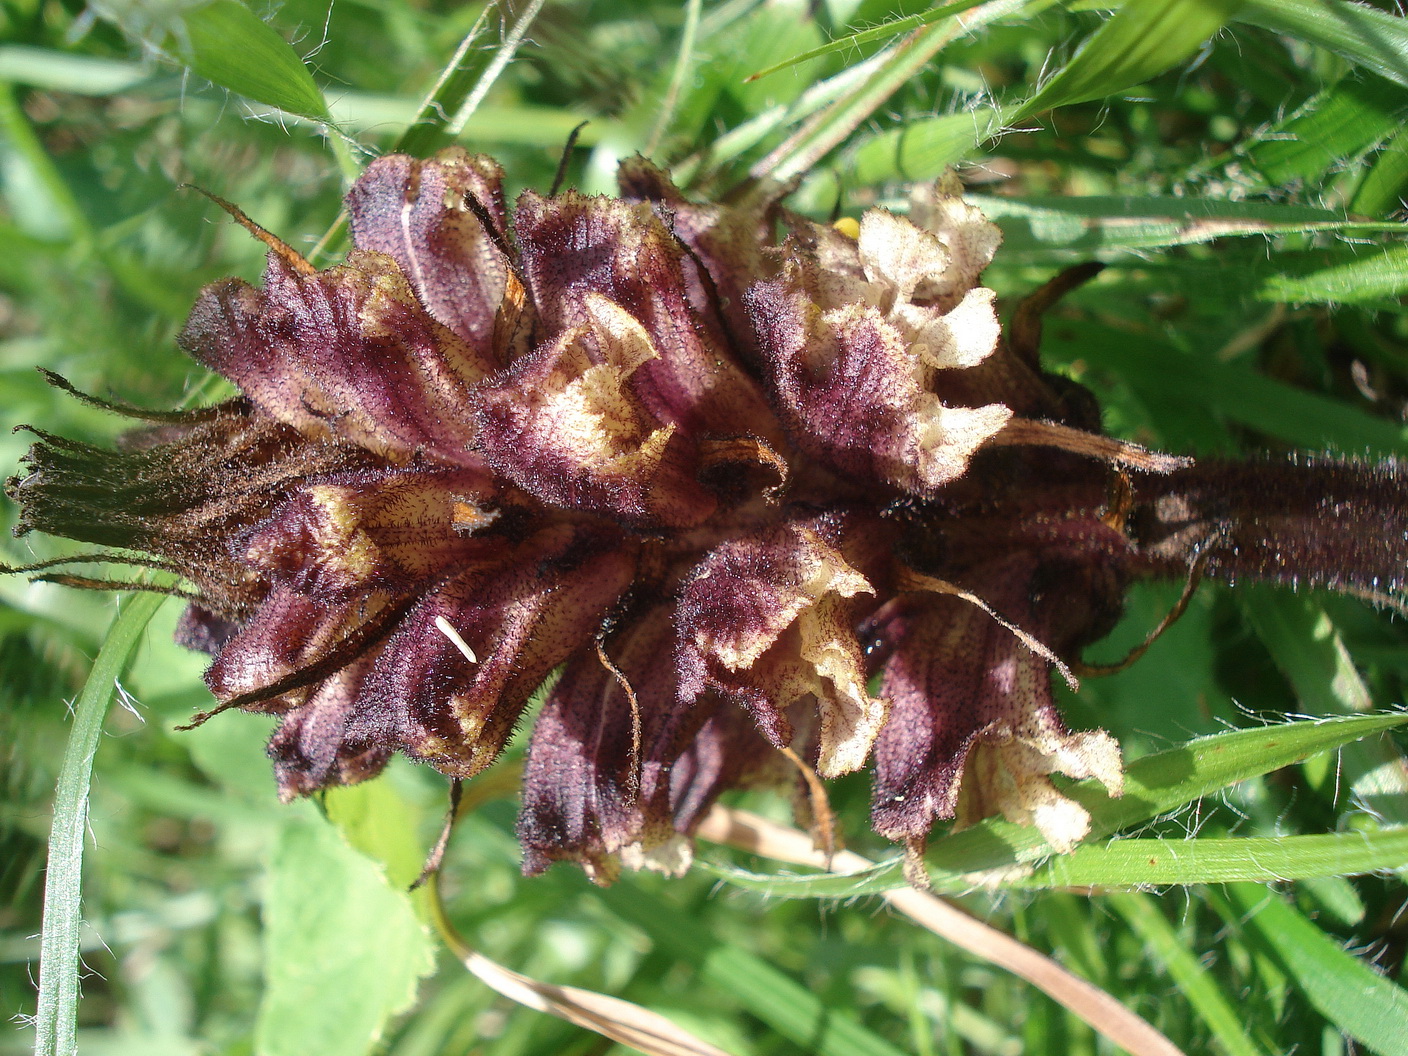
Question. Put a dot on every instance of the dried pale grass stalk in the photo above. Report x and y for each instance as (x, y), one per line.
(758, 835)
(611, 1017)
(608, 1016)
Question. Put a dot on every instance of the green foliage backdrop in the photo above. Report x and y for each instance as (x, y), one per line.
(1240, 166)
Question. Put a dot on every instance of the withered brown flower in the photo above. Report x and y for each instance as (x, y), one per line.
(750, 492)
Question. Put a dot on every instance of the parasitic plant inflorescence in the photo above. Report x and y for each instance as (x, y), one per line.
(771, 493)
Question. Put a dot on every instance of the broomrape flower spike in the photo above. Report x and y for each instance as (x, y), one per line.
(779, 498)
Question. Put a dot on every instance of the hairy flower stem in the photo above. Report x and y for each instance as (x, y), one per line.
(1316, 522)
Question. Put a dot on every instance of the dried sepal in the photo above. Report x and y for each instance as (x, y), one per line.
(444, 222)
(181, 491)
(973, 713)
(451, 681)
(1009, 773)
(769, 620)
(567, 425)
(347, 353)
(970, 239)
(852, 392)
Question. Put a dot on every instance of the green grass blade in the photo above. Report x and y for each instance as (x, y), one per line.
(1161, 374)
(1373, 39)
(684, 62)
(55, 1024)
(1208, 860)
(62, 72)
(1358, 1001)
(1308, 649)
(1333, 126)
(25, 152)
(1142, 40)
(446, 111)
(1101, 223)
(1341, 276)
(1386, 183)
(228, 45)
(1134, 862)
(884, 31)
(426, 129)
(492, 124)
(775, 998)
(922, 149)
(895, 68)
(1147, 920)
(1154, 785)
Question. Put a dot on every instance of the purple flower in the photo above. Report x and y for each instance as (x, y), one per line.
(749, 492)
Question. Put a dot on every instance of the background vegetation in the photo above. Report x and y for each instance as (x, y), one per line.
(1240, 166)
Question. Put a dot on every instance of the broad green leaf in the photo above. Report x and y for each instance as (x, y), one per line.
(1354, 998)
(57, 1015)
(1154, 786)
(377, 820)
(1146, 919)
(344, 949)
(1142, 40)
(779, 1001)
(227, 44)
(1373, 39)
(231, 751)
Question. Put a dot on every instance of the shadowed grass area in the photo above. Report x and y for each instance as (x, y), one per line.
(1239, 168)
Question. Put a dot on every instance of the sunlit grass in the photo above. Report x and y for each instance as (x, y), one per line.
(1248, 203)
